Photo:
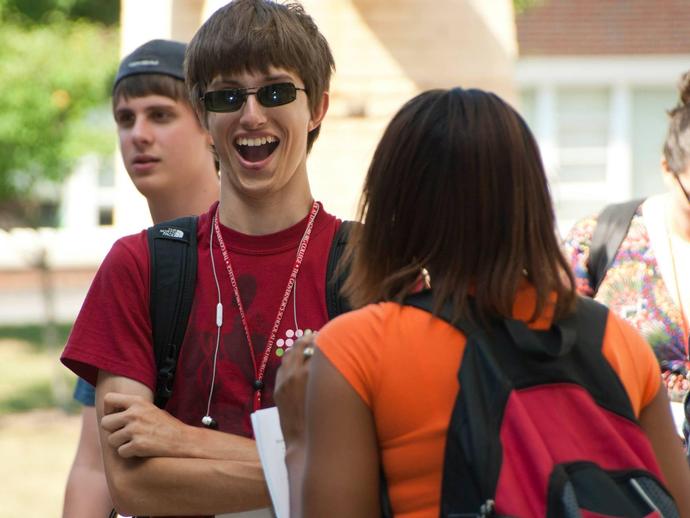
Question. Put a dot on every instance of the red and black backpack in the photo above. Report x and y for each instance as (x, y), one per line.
(542, 426)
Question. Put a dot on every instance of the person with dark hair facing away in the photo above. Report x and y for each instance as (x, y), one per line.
(258, 73)
(167, 155)
(646, 279)
(456, 193)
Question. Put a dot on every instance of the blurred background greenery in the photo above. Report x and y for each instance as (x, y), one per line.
(57, 62)
(24, 351)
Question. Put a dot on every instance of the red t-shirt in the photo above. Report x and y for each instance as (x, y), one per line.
(113, 329)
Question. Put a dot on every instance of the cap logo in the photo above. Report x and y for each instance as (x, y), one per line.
(174, 233)
(144, 63)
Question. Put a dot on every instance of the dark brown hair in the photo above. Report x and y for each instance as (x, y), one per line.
(457, 186)
(141, 85)
(253, 35)
(677, 144)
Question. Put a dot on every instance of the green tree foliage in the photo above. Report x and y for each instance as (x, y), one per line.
(522, 5)
(106, 12)
(56, 70)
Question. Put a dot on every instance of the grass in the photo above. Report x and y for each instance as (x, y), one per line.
(34, 335)
(37, 436)
(31, 376)
(37, 449)
(33, 379)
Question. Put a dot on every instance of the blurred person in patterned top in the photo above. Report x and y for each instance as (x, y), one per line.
(648, 281)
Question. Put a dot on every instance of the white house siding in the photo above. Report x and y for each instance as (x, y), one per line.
(600, 123)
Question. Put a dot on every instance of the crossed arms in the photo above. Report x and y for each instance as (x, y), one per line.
(157, 465)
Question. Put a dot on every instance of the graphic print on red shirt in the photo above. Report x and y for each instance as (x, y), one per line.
(113, 330)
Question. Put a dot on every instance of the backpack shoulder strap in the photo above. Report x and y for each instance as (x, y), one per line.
(586, 325)
(173, 264)
(612, 227)
(424, 300)
(496, 361)
(336, 303)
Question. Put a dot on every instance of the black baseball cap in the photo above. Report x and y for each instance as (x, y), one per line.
(154, 57)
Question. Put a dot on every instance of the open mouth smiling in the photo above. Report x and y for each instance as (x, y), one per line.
(256, 149)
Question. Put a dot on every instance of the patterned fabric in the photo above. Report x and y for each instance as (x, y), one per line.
(634, 288)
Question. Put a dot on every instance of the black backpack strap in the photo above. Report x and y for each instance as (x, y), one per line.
(612, 227)
(337, 304)
(173, 264)
(424, 300)
(468, 490)
(494, 359)
(386, 507)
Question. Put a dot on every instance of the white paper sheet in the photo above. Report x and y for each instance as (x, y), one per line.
(271, 446)
(678, 416)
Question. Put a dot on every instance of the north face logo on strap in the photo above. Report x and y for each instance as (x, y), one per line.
(173, 233)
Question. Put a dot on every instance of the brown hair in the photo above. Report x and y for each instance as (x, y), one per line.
(677, 144)
(141, 85)
(253, 35)
(457, 186)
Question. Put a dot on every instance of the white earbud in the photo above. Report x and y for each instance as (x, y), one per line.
(219, 314)
(209, 422)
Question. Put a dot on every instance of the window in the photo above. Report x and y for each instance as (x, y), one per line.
(528, 107)
(105, 216)
(582, 126)
(106, 174)
(649, 125)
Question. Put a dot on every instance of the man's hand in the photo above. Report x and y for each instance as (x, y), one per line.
(138, 428)
(291, 386)
(149, 455)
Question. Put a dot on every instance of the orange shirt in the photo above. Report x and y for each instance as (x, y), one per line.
(403, 363)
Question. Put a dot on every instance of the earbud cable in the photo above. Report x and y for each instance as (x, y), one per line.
(219, 323)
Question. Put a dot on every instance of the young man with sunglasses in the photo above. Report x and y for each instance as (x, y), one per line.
(259, 72)
(165, 151)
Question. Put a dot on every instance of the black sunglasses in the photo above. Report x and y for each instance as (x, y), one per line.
(232, 99)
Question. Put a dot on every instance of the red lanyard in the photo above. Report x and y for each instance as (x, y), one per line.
(258, 384)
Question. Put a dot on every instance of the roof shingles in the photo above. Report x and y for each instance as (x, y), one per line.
(603, 27)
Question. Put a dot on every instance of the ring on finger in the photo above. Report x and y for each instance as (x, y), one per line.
(308, 351)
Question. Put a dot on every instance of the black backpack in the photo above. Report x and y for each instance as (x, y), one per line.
(173, 260)
(542, 425)
(612, 227)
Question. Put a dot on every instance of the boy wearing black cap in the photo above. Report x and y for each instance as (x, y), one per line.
(258, 72)
(164, 148)
(167, 155)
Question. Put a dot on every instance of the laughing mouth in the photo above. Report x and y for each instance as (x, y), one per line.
(256, 149)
